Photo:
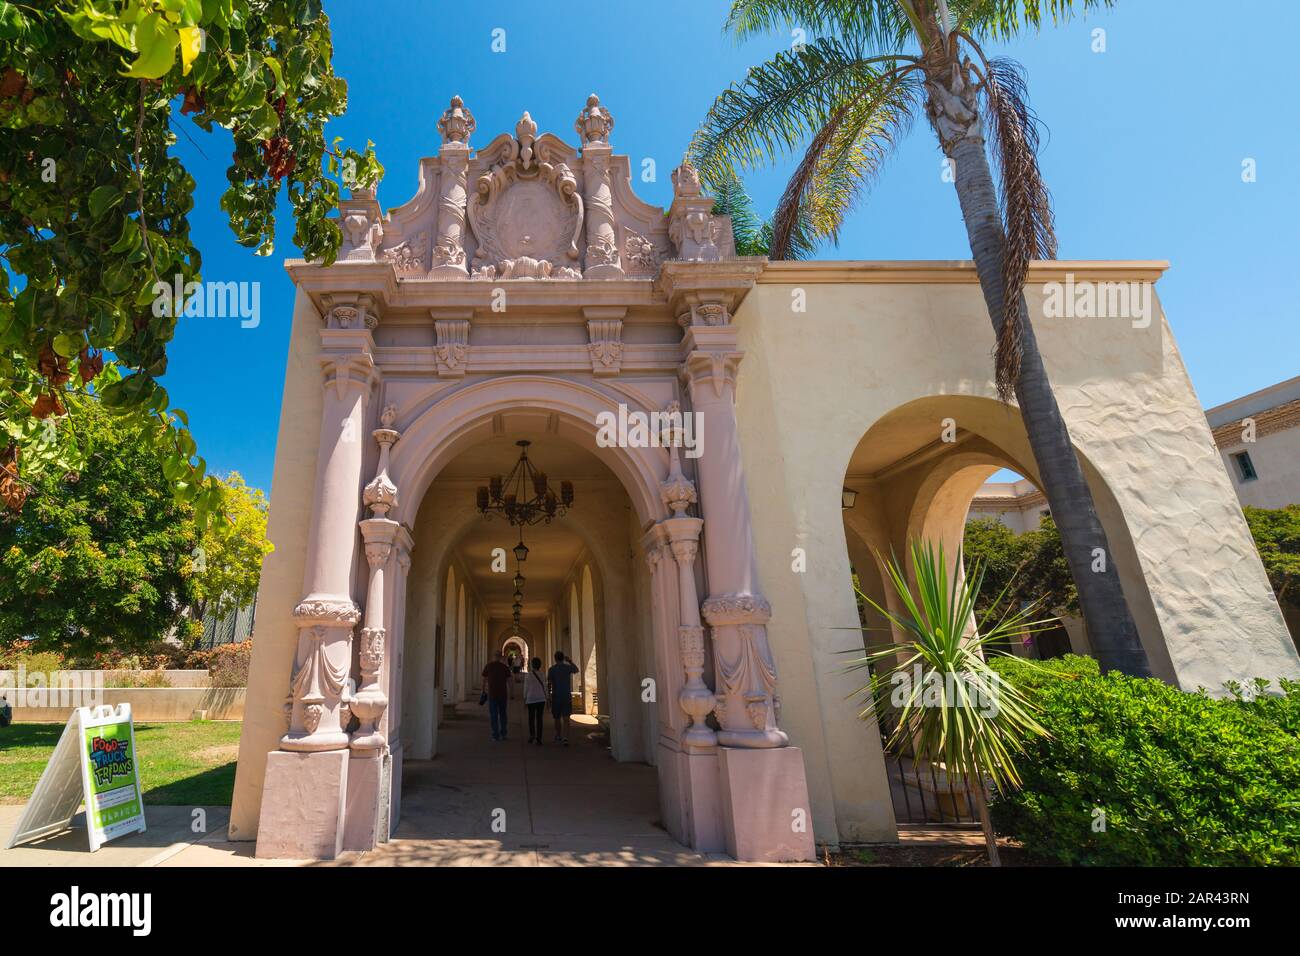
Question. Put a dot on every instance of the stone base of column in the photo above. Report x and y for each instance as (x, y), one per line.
(691, 800)
(394, 790)
(448, 270)
(303, 801)
(766, 814)
(362, 815)
(606, 270)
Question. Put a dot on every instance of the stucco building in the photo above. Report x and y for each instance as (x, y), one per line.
(697, 563)
(1258, 436)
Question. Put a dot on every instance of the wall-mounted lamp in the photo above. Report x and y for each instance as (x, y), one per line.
(847, 497)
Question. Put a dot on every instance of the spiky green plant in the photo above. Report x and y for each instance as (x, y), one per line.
(949, 706)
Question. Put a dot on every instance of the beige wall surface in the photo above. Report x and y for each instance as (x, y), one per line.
(813, 383)
(275, 636)
(1276, 459)
(152, 704)
(873, 339)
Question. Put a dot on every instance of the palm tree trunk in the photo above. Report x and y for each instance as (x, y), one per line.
(975, 786)
(1106, 616)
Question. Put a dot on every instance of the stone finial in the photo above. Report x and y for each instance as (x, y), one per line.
(525, 136)
(686, 180)
(456, 123)
(594, 123)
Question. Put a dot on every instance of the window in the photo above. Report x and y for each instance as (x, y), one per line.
(1245, 467)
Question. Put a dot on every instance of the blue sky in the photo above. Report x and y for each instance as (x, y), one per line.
(1143, 155)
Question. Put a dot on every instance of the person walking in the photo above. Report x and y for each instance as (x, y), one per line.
(560, 677)
(535, 700)
(496, 685)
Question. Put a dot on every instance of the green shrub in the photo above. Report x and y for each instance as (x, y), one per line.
(1282, 709)
(44, 662)
(228, 664)
(1181, 778)
(140, 678)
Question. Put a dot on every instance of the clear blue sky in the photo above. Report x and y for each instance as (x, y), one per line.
(1143, 157)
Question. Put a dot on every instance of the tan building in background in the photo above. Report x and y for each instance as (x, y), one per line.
(1258, 436)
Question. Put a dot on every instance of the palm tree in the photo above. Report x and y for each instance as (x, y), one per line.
(951, 707)
(753, 235)
(845, 99)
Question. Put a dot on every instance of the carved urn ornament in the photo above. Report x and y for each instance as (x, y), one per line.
(380, 495)
(594, 123)
(456, 123)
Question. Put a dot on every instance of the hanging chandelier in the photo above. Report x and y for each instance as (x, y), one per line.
(524, 497)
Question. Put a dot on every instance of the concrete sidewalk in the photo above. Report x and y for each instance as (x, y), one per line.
(560, 806)
(170, 840)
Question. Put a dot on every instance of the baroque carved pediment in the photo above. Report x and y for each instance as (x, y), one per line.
(526, 213)
(530, 206)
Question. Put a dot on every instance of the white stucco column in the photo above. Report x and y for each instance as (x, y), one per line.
(308, 778)
(327, 614)
(737, 613)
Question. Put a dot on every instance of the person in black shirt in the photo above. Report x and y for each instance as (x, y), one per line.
(560, 678)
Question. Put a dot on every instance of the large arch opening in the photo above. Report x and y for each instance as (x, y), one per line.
(585, 593)
(927, 470)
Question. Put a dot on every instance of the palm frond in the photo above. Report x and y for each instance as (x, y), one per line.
(731, 199)
(1025, 201)
(879, 25)
(843, 160)
(754, 235)
(1003, 19)
(781, 104)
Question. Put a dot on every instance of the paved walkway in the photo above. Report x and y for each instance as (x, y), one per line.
(484, 803)
(478, 803)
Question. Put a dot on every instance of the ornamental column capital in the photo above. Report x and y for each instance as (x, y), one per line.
(704, 371)
(349, 311)
(731, 609)
(683, 530)
(348, 372)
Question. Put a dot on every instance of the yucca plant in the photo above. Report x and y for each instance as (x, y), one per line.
(842, 101)
(950, 706)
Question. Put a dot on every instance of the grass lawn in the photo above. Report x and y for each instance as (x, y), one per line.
(184, 764)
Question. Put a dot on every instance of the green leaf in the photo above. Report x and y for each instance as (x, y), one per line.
(156, 41)
(12, 23)
(102, 199)
(68, 345)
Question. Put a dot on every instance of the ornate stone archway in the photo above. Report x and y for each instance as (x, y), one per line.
(441, 321)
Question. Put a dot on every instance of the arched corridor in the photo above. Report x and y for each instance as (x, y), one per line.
(456, 781)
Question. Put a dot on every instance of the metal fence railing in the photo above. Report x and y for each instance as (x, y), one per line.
(923, 793)
(231, 628)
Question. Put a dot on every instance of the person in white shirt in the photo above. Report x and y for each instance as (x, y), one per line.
(535, 700)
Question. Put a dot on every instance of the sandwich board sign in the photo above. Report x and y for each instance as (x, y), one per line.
(95, 763)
